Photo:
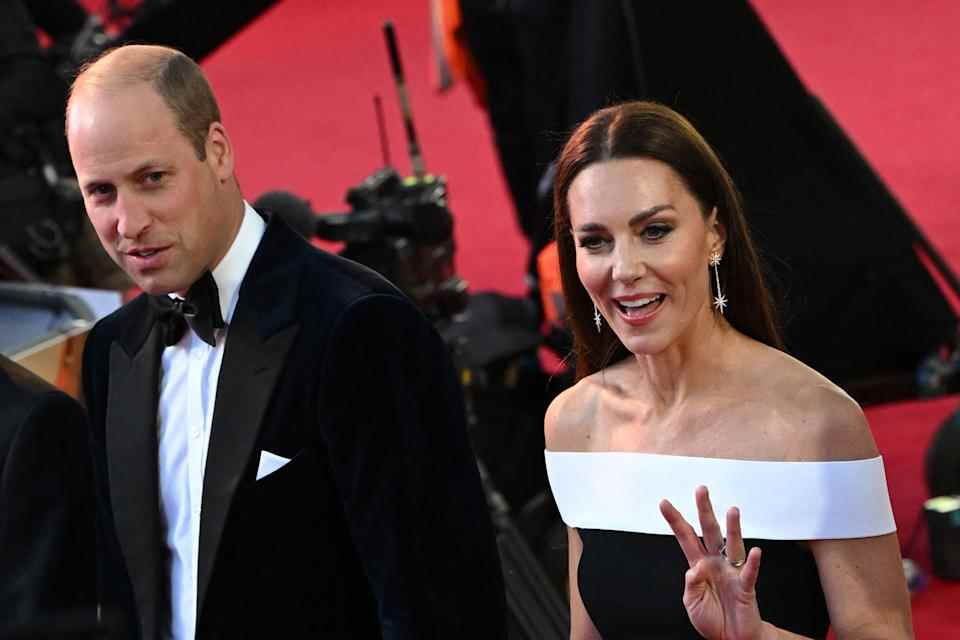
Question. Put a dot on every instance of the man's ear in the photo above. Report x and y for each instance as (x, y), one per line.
(220, 152)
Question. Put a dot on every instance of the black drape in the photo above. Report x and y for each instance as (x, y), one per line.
(855, 299)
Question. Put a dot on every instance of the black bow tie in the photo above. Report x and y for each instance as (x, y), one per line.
(200, 310)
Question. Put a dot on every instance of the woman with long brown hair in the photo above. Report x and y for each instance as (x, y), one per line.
(682, 386)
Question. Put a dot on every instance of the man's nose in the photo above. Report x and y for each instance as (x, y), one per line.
(132, 217)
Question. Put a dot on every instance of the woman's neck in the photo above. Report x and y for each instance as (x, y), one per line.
(693, 363)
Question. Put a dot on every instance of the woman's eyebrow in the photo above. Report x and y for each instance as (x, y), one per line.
(646, 213)
(635, 219)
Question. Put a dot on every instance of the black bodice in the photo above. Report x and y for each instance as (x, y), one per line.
(632, 586)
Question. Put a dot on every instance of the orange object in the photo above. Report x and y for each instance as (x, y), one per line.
(454, 60)
(551, 289)
(71, 358)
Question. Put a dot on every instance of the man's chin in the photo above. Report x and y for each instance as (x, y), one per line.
(157, 286)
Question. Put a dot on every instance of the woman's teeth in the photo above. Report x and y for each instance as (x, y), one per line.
(632, 307)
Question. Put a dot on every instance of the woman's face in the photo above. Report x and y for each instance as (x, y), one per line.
(643, 251)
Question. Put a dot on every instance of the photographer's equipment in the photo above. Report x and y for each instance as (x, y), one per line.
(942, 461)
(416, 160)
(495, 350)
(497, 364)
(44, 233)
(382, 129)
(402, 228)
(939, 373)
(941, 512)
(537, 612)
(41, 210)
(943, 523)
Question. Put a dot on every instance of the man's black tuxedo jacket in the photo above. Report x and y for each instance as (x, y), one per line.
(46, 503)
(376, 528)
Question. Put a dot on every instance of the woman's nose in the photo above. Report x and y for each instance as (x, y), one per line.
(628, 265)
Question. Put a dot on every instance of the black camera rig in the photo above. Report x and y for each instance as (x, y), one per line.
(402, 228)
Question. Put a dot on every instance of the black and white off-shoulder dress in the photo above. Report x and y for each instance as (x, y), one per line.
(631, 570)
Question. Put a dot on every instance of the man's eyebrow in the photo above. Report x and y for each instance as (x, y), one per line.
(147, 167)
(91, 185)
(144, 167)
(635, 219)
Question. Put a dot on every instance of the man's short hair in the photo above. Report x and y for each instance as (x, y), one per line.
(172, 74)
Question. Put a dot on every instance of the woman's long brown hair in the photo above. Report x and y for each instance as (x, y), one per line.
(651, 130)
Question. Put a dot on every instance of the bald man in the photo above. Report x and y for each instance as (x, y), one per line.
(278, 435)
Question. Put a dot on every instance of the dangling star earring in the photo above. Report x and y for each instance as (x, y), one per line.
(597, 319)
(720, 301)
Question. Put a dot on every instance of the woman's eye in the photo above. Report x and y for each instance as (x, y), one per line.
(154, 177)
(656, 231)
(591, 242)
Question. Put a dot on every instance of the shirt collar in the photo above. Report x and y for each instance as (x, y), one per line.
(229, 273)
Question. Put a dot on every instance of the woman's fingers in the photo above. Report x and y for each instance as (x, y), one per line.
(736, 551)
(750, 570)
(712, 536)
(684, 532)
(694, 578)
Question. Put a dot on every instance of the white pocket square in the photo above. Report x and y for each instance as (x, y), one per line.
(269, 462)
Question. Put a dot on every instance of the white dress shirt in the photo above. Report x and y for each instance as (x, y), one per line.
(188, 386)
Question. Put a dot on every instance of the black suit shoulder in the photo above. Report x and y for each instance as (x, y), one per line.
(354, 303)
(96, 354)
(120, 321)
(334, 292)
(46, 500)
(25, 396)
(37, 415)
(18, 382)
(346, 281)
(282, 246)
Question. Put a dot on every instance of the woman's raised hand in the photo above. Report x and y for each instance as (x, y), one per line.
(719, 590)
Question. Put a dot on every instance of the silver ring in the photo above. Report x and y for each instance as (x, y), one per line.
(736, 564)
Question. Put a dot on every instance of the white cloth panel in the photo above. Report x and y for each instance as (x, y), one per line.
(621, 491)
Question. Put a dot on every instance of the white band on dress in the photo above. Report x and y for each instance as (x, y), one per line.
(621, 491)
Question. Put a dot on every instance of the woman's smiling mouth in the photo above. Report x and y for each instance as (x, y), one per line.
(639, 307)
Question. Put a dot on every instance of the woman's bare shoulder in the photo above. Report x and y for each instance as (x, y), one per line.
(569, 418)
(829, 424)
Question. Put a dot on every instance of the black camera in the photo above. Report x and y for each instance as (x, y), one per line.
(402, 228)
(399, 227)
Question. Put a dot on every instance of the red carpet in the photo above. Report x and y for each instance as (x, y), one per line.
(297, 94)
(297, 87)
(884, 71)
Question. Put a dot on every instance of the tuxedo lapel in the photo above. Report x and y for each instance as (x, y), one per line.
(131, 447)
(258, 338)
